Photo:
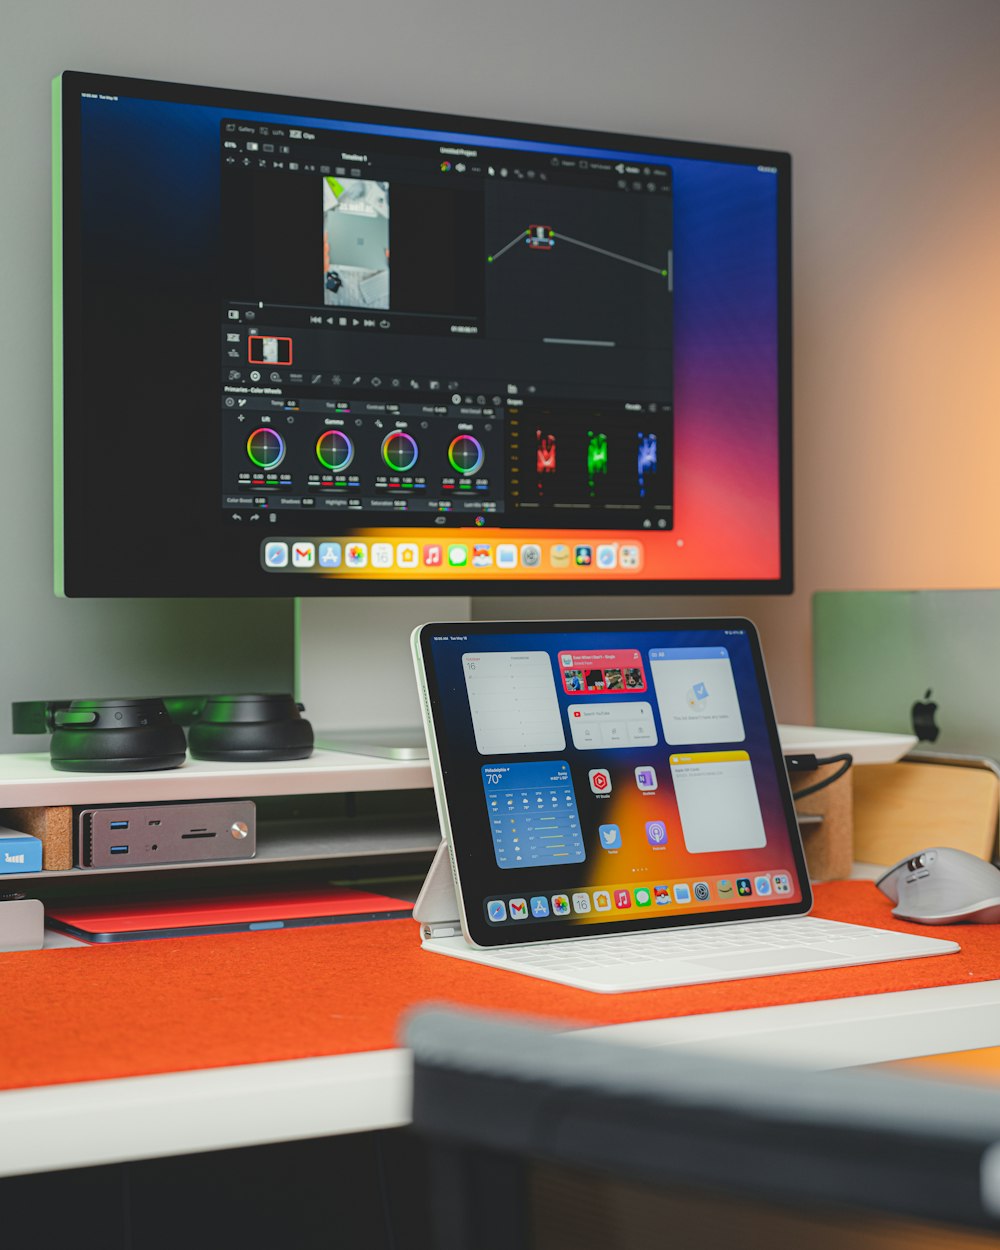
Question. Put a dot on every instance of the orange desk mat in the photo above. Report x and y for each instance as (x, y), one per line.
(202, 1002)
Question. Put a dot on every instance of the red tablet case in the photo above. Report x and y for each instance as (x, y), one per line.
(278, 909)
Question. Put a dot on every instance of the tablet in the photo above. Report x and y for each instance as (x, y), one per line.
(606, 776)
(189, 917)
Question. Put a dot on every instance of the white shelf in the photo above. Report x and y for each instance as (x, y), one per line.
(31, 781)
(866, 746)
(305, 841)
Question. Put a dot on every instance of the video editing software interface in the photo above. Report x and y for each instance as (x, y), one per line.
(608, 777)
(337, 350)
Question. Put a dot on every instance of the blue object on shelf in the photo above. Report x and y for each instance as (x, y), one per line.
(20, 852)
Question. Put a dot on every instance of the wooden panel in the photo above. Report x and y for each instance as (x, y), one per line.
(903, 808)
(828, 847)
(53, 825)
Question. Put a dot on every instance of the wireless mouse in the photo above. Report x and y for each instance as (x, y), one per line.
(943, 886)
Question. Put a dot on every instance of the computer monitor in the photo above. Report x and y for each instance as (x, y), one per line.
(316, 349)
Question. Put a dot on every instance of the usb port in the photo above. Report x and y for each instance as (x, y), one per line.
(119, 850)
(119, 824)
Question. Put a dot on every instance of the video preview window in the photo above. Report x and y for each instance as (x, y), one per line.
(355, 242)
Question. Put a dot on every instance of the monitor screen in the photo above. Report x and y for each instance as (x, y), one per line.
(309, 348)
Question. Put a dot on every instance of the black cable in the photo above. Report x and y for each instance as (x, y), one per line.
(809, 764)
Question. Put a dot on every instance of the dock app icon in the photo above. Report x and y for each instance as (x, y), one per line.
(303, 555)
(276, 555)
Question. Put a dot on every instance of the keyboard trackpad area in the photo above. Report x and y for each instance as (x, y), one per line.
(784, 959)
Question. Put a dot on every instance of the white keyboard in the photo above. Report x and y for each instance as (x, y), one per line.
(663, 958)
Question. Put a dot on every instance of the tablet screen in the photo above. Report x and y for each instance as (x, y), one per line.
(601, 775)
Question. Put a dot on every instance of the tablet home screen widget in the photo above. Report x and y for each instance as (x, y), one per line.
(612, 726)
(533, 814)
(696, 694)
(602, 672)
(717, 801)
(513, 702)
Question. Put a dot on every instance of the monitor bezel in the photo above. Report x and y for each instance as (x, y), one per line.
(68, 302)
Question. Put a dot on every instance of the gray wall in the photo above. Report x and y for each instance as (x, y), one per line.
(892, 111)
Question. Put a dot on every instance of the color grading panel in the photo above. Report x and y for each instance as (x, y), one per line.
(365, 457)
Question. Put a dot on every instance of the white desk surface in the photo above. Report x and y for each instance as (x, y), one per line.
(97, 1122)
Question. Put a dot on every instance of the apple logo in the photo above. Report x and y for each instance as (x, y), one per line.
(922, 718)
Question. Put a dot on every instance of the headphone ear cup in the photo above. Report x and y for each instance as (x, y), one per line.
(253, 728)
(116, 736)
